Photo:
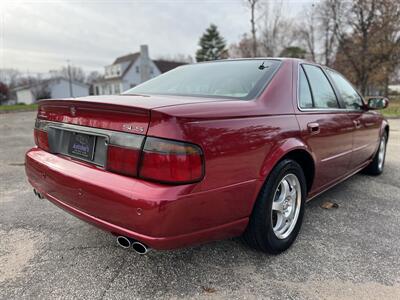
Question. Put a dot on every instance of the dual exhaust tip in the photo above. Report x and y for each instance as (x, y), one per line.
(127, 243)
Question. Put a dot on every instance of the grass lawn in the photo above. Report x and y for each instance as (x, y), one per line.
(17, 107)
(394, 107)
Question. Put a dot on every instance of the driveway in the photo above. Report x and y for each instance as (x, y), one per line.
(349, 252)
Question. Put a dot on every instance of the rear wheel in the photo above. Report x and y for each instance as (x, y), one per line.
(377, 164)
(279, 209)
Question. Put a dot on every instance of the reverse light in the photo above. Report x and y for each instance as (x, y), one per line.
(122, 160)
(171, 162)
(40, 135)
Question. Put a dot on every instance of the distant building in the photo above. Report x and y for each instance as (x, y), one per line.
(129, 70)
(51, 88)
(394, 88)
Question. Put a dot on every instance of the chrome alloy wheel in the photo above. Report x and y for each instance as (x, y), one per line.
(286, 206)
(382, 152)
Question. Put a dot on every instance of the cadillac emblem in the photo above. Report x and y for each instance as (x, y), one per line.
(72, 109)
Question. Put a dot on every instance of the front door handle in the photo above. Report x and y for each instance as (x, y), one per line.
(357, 123)
(313, 128)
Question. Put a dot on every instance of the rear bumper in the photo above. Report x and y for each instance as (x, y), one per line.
(161, 216)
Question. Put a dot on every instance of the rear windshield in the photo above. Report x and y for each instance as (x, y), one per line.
(241, 79)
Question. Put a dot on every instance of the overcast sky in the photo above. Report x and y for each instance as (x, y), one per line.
(40, 35)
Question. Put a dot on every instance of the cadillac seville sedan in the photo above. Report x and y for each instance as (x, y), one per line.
(207, 151)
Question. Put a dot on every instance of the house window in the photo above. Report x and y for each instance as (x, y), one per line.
(137, 69)
(96, 91)
(117, 89)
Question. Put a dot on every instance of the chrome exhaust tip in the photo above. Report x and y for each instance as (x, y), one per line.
(140, 248)
(124, 242)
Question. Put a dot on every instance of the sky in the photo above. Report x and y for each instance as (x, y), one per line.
(36, 36)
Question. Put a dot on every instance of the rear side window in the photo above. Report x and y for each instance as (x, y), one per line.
(348, 94)
(321, 89)
(304, 91)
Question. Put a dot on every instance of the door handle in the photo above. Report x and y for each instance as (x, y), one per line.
(357, 123)
(313, 128)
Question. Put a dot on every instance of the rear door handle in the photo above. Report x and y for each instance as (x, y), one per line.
(313, 128)
(357, 123)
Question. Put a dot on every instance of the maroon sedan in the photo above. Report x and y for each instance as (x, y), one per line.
(207, 151)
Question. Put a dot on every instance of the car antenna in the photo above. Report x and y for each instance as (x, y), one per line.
(262, 67)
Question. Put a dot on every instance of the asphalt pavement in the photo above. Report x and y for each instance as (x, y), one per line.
(352, 252)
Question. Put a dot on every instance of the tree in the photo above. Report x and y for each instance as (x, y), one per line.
(10, 77)
(278, 31)
(253, 5)
(331, 14)
(244, 48)
(293, 51)
(179, 57)
(4, 92)
(77, 74)
(93, 76)
(369, 42)
(319, 28)
(308, 31)
(212, 45)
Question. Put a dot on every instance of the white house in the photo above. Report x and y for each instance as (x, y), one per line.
(129, 70)
(51, 88)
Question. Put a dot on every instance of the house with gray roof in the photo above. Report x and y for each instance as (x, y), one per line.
(129, 70)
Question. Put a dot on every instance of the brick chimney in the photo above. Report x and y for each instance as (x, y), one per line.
(144, 63)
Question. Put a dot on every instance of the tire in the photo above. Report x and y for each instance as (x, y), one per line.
(262, 232)
(376, 166)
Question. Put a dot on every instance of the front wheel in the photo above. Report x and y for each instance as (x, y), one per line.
(278, 212)
(377, 164)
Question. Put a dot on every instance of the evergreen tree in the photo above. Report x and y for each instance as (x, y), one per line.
(212, 45)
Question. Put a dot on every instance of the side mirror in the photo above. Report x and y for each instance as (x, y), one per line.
(377, 102)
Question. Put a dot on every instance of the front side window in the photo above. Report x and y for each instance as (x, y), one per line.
(321, 89)
(348, 94)
(241, 79)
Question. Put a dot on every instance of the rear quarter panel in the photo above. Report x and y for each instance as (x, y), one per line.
(241, 140)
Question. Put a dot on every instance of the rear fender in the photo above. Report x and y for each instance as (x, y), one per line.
(280, 151)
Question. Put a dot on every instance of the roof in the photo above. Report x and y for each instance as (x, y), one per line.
(48, 81)
(167, 65)
(131, 57)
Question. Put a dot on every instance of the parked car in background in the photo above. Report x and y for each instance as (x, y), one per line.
(207, 151)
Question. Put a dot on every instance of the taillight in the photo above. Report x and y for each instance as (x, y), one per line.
(171, 162)
(122, 160)
(40, 135)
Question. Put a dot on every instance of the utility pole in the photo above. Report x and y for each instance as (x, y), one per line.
(70, 80)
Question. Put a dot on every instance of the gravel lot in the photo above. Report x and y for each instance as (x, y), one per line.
(349, 252)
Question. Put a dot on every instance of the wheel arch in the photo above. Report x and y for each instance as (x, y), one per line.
(385, 128)
(296, 150)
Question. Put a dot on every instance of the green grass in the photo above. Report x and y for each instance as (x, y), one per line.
(17, 107)
(394, 107)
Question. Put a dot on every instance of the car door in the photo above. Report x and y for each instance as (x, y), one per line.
(366, 123)
(325, 127)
